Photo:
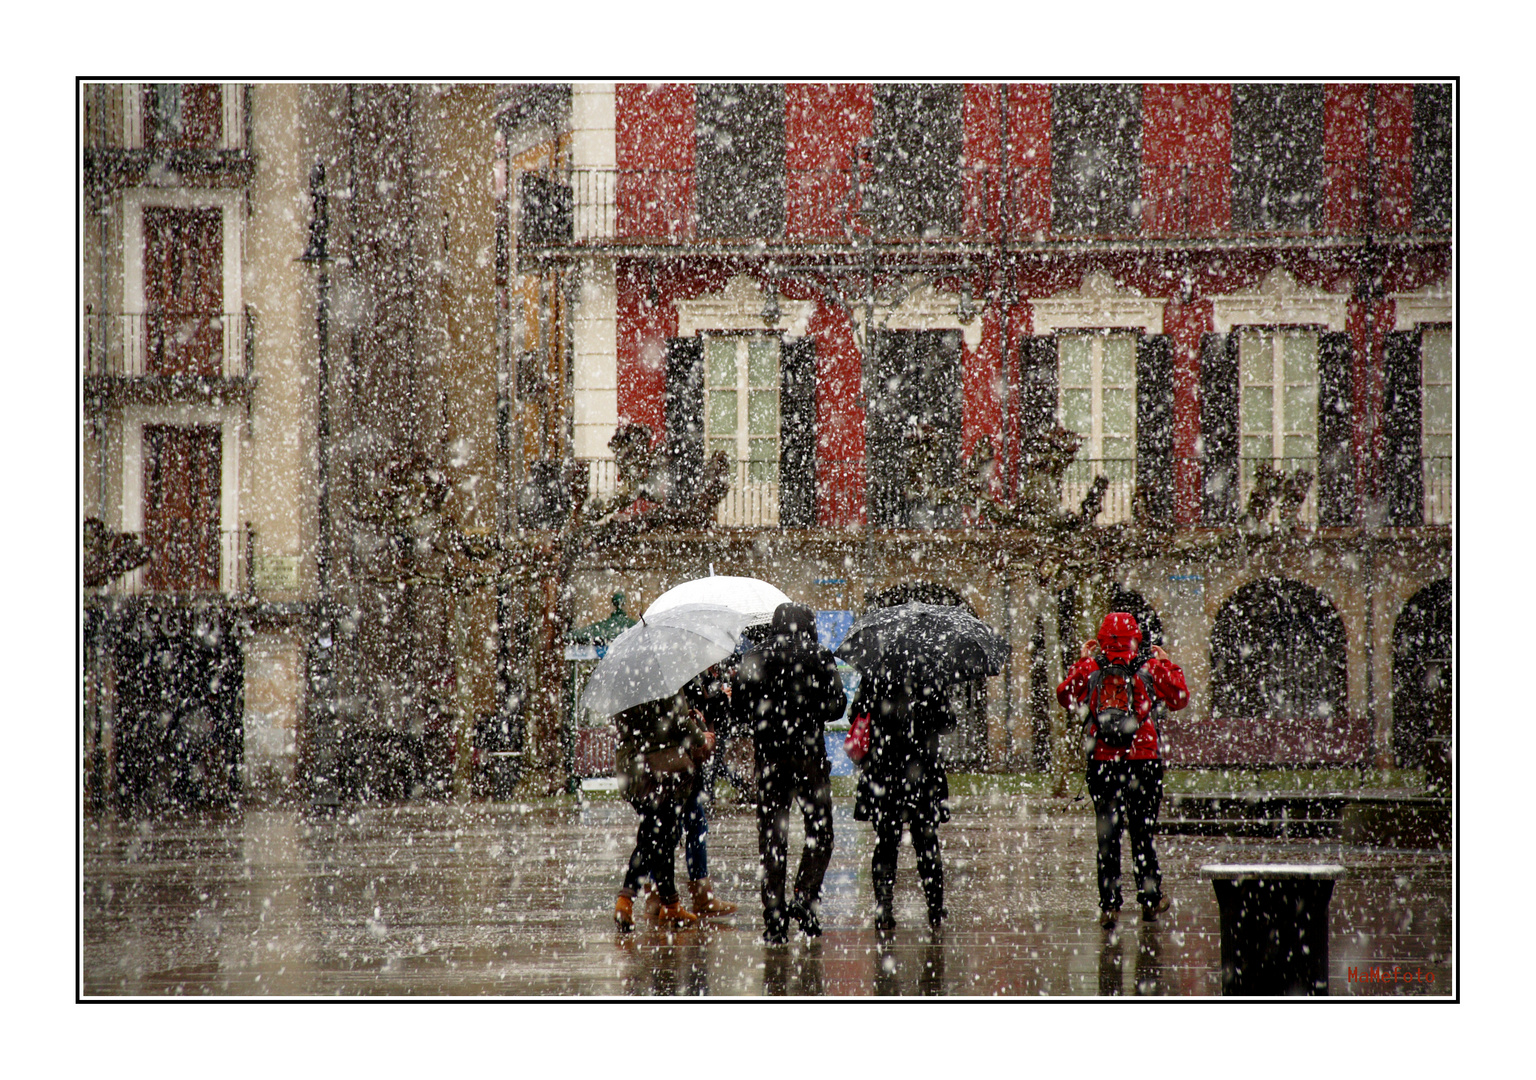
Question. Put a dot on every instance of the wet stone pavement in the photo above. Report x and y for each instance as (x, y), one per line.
(516, 899)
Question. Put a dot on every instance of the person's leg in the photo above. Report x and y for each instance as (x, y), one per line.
(664, 852)
(772, 845)
(1144, 794)
(695, 835)
(816, 808)
(1105, 787)
(882, 865)
(930, 865)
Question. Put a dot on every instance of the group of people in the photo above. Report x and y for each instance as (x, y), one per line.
(784, 692)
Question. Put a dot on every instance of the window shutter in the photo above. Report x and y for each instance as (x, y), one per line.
(1402, 425)
(797, 434)
(1038, 381)
(1154, 427)
(684, 415)
(1218, 427)
(1335, 411)
(739, 159)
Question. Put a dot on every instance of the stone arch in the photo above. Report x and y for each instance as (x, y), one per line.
(1421, 672)
(1122, 598)
(1278, 651)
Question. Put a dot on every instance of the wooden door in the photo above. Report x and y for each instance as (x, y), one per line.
(184, 291)
(182, 470)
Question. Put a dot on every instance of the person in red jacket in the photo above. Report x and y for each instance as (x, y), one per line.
(1126, 784)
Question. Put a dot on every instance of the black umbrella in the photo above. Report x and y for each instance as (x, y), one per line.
(931, 643)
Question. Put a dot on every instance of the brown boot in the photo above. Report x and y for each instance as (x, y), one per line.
(652, 902)
(624, 913)
(674, 914)
(705, 902)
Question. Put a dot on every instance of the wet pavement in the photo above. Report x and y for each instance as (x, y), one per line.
(515, 900)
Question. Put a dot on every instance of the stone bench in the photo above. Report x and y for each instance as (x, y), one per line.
(1274, 926)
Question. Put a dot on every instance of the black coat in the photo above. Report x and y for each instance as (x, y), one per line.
(787, 690)
(902, 774)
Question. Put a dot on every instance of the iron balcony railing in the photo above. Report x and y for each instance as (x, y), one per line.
(747, 504)
(840, 483)
(213, 345)
(235, 558)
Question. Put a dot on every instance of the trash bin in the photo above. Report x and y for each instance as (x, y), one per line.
(1274, 927)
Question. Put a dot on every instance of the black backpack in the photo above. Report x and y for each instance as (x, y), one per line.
(1114, 710)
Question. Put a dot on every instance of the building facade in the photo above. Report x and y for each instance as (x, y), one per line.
(1039, 348)
(886, 304)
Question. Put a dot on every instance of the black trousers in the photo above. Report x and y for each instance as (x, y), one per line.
(655, 846)
(1127, 793)
(888, 823)
(780, 784)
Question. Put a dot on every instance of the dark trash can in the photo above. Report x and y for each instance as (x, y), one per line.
(1274, 927)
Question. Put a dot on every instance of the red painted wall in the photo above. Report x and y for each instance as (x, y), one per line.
(1029, 158)
(823, 123)
(1394, 150)
(654, 150)
(1186, 158)
(1346, 150)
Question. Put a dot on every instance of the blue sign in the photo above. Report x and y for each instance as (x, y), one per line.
(833, 626)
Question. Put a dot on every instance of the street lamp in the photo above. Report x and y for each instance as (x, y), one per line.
(324, 793)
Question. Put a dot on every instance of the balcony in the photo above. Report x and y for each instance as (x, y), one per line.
(235, 557)
(200, 129)
(170, 348)
(750, 505)
(843, 210)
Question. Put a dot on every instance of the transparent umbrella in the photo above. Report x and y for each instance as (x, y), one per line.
(657, 656)
(751, 597)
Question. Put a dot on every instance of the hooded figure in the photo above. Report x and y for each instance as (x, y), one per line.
(784, 693)
(1125, 774)
(902, 782)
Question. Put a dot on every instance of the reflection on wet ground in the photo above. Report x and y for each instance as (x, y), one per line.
(515, 900)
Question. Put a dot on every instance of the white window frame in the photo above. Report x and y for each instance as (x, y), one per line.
(1274, 338)
(750, 501)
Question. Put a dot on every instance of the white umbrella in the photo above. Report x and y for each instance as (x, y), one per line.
(753, 598)
(657, 656)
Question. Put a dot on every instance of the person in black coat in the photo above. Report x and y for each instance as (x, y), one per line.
(784, 693)
(902, 782)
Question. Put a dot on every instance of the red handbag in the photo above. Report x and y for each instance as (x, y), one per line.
(857, 742)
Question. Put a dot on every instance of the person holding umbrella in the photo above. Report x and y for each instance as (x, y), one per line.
(1115, 690)
(660, 745)
(910, 657)
(784, 693)
(662, 737)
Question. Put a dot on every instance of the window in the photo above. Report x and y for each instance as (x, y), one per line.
(1438, 419)
(741, 415)
(1435, 353)
(1279, 396)
(184, 291)
(1098, 403)
(913, 422)
(1098, 393)
(1432, 164)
